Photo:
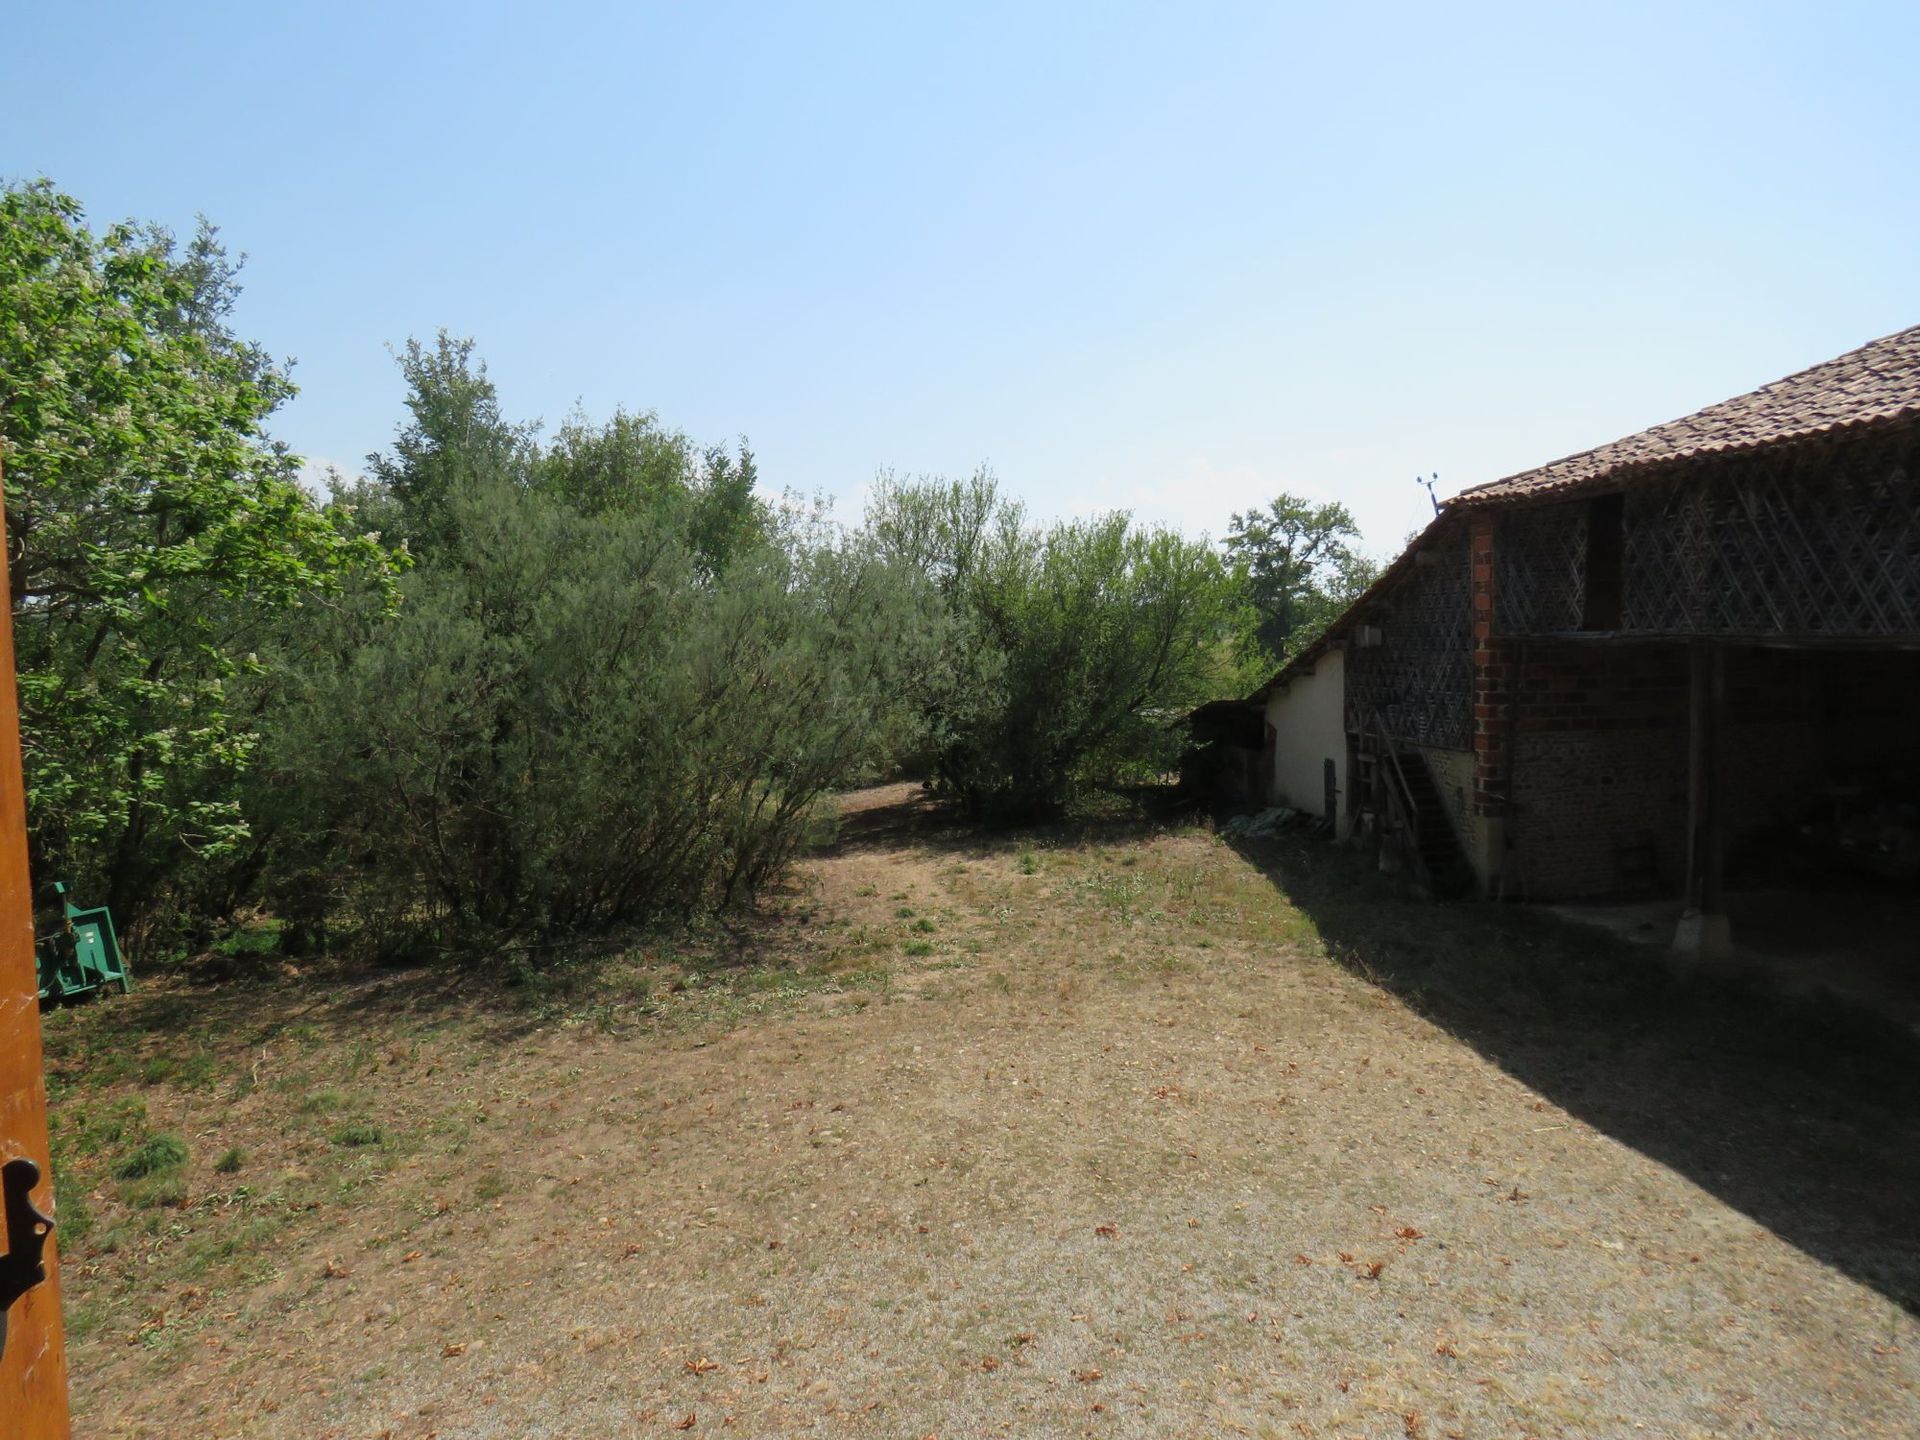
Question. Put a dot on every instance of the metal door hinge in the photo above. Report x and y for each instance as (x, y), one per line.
(23, 1266)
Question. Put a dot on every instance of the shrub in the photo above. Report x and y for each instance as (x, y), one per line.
(612, 689)
(1067, 653)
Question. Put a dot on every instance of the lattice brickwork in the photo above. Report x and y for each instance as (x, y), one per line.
(1420, 678)
(1540, 558)
(1813, 543)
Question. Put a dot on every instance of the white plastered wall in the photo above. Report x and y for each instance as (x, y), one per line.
(1308, 722)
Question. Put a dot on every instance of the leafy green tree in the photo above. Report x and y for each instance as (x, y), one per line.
(1066, 650)
(1300, 568)
(156, 539)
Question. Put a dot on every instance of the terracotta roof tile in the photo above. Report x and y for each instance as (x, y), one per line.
(1876, 383)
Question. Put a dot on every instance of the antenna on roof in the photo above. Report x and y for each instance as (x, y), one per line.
(1430, 481)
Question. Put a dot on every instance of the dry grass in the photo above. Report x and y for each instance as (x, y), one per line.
(1109, 1132)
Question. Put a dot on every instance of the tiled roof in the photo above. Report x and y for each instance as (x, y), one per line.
(1878, 382)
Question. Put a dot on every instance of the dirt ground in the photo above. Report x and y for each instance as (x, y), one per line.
(1112, 1131)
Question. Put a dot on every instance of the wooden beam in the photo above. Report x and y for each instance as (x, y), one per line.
(33, 1359)
(1704, 932)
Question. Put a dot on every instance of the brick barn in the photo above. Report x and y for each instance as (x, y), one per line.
(1683, 667)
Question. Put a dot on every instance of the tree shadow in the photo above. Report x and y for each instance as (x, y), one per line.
(914, 819)
(1801, 1112)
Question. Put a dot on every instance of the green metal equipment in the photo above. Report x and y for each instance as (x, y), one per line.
(84, 955)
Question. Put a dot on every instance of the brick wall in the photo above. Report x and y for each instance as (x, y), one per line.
(1600, 753)
(1587, 802)
(1599, 774)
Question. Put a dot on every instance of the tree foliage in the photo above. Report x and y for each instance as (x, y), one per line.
(613, 688)
(1068, 651)
(506, 683)
(1300, 567)
(156, 539)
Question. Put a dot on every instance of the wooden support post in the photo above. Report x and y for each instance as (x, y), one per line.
(1704, 932)
(33, 1361)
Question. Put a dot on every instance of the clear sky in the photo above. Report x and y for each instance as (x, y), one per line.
(1172, 258)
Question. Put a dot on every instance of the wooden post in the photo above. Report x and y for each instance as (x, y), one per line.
(1704, 932)
(33, 1359)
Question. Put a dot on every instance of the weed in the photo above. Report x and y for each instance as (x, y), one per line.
(70, 1204)
(259, 938)
(356, 1133)
(156, 1192)
(919, 947)
(198, 1070)
(925, 926)
(158, 1070)
(231, 1161)
(1028, 863)
(155, 1155)
(83, 1129)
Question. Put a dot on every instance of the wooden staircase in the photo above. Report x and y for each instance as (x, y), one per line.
(1412, 813)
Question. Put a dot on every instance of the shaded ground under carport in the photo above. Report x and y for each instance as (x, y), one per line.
(1862, 947)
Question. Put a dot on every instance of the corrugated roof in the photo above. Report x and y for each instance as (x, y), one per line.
(1876, 383)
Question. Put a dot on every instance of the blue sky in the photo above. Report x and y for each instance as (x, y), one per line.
(1173, 258)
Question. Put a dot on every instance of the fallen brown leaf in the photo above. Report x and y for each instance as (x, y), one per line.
(1086, 1377)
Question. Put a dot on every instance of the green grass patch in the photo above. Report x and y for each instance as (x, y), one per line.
(156, 1192)
(155, 1155)
(322, 1102)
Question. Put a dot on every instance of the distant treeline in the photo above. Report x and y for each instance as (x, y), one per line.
(507, 683)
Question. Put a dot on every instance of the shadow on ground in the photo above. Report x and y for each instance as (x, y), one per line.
(913, 819)
(1801, 1112)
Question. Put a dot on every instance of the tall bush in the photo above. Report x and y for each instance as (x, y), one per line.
(594, 702)
(1070, 651)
